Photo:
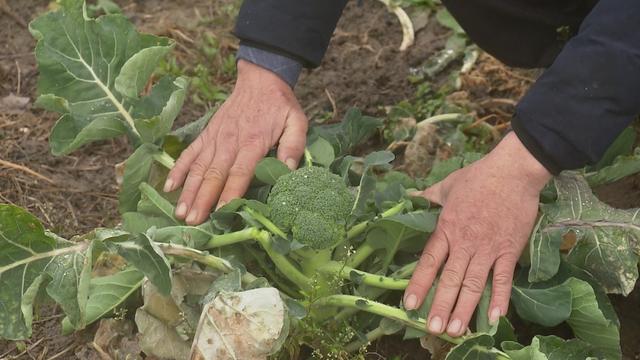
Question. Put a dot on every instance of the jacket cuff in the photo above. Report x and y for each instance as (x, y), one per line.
(286, 68)
(534, 147)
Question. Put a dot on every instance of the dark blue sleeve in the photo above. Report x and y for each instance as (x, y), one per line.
(590, 93)
(299, 29)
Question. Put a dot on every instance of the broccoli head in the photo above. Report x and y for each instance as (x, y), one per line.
(312, 204)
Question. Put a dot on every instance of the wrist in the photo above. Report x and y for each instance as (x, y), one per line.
(520, 163)
(252, 74)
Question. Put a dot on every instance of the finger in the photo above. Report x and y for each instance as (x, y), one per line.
(293, 139)
(179, 172)
(212, 184)
(501, 288)
(472, 287)
(433, 256)
(192, 184)
(240, 174)
(448, 289)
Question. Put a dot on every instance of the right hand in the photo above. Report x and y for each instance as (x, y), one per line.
(218, 166)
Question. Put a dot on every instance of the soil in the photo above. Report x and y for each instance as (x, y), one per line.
(363, 68)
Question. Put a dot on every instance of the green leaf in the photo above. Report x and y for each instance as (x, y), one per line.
(154, 114)
(270, 169)
(135, 222)
(622, 167)
(70, 276)
(145, 256)
(445, 19)
(548, 307)
(422, 313)
(25, 254)
(107, 293)
(137, 168)
(606, 243)
(354, 129)
(401, 227)
(152, 203)
(589, 323)
(443, 168)
(322, 152)
(549, 348)
(96, 68)
(368, 180)
(476, 347)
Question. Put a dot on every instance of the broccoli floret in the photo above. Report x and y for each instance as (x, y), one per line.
(313, 204)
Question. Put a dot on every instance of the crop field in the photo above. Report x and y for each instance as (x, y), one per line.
(98, 99)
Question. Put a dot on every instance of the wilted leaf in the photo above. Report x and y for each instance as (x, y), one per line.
(159, 339)
(241, 325)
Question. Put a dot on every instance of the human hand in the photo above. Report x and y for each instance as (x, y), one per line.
(489, 209)
(218, 166)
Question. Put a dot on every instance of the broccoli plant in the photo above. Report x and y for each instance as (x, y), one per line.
(335, 240)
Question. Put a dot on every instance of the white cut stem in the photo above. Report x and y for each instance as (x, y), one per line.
(408, 33)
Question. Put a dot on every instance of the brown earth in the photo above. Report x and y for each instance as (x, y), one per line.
(73, 194)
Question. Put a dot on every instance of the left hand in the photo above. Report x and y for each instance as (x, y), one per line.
(489, 209)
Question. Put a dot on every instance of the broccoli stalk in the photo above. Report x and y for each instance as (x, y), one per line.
(373, 307)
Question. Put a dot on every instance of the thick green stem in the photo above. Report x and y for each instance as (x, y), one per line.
(288, 269)
(378, 281)
(165, 160)
(277, 279)
(442, 117)
(402, 273)
(350, 301)
(232, 238)
(369, 337)
(202, 257)
(265, 222)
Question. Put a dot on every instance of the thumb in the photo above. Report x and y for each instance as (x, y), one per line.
(293, 139)
(434, 193)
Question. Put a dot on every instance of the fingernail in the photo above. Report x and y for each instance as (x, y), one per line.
(410, 302)
(494, 316)
(168, 185)
(181, 210)
(454, 327)
(191, 219)
(435, 325)
(221, 204)
(291, 164)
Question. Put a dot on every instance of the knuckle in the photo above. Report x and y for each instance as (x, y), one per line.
(451, 277)
(254, 140)
(214, 174)
(198, 168)
(502, 280)
(428, 260)
(473, 285)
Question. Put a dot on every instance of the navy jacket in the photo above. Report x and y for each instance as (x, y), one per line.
(589, 93)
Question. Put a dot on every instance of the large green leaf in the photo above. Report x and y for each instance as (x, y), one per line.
(107, 293)
(549, 348)
(153, 204)
(607, 240)
(270, 169)
(549, 307)
(92, 71)
(26, 252)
